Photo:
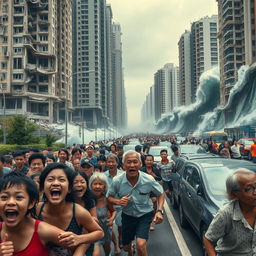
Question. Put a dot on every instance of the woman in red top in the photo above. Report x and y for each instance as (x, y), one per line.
(20, 234)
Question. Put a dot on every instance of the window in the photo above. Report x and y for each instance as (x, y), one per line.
(17, 50)
(18, 40)
(17, 76)
(4, 65)
(17, 63)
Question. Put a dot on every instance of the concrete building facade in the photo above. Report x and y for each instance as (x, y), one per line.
(236, 40)
(185, 68)
(34, 68)
(204, 48)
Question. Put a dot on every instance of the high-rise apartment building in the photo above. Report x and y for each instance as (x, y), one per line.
(185, 68)
(89, 56)
(98, 84)
(35, 57)
(237, 40)
(118, 93)
(204, 48)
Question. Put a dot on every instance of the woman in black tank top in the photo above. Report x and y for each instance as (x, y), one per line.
(58, 208)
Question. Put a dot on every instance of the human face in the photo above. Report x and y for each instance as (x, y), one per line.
(89, 151)
(56, 186)
(120, 152)
(113, 149)
(45, 152)
(88, 170)
(19, 161)
(132, 164)
(62, 157)
(49, 161)
(77, 155)
(103, 164)
(149, 161)
(76, 164)
(79, 186)
(14, 204)
(36, 165)
(98, 187)
(164, 155)
(247, 193)
(112, 164)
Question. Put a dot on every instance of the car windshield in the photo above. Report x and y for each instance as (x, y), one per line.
(155, 151)
(191, 149)
(216, 179)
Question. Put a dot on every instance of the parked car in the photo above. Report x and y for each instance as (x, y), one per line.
(191, 149)
(202, 190)
(245, 147)
(155, 151)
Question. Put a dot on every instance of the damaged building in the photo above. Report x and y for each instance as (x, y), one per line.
(36, 58)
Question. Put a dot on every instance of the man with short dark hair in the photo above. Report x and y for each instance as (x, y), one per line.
(138, 149)
(166, 168)
(87, 167)
(19, 159)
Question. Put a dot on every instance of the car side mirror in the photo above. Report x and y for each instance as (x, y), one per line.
(199, 191)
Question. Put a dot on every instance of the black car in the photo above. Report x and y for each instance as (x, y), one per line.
(179, 164)
(202, 190)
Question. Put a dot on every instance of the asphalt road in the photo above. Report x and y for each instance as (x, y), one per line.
(169, 239)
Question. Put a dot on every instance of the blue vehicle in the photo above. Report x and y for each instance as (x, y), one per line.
(202, 189)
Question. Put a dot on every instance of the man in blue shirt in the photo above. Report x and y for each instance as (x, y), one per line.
(133, 189)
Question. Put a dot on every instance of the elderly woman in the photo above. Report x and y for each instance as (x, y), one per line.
(233, 228)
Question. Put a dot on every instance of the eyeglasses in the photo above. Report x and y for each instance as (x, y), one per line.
(250, 189)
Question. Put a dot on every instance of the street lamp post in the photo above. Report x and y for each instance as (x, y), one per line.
(66, 105)
(4, 114)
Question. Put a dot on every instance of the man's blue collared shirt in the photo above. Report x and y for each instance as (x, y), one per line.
(140, 202)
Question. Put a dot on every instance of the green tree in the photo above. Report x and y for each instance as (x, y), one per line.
(50, 139)
(21, 131)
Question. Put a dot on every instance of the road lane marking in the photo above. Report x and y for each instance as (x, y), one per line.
(176, 231)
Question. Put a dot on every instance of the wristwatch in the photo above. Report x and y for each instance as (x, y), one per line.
(160, 211)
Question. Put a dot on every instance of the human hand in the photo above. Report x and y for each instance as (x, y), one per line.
(69, 239)
(6, 247)
(124, 200)
(158, 218)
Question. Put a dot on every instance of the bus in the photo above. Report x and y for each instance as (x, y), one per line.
(216, 136)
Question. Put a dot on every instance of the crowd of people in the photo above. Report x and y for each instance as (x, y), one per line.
(81, 198)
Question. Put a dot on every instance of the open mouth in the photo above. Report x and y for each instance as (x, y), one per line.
(55, 194)
(79, 191)
(11, 215)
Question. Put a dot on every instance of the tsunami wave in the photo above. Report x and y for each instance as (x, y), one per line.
(206, 115)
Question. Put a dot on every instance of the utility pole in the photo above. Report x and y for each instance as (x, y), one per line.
(4, 120)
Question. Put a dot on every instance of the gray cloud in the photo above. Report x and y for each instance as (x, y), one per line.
(151, 31)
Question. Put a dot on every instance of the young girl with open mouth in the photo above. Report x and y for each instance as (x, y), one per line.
(20, 234)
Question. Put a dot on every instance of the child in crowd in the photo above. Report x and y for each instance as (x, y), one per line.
(20, 234)
(56, 181)
(106, 213)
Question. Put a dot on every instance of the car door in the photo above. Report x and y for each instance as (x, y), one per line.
(192, 201)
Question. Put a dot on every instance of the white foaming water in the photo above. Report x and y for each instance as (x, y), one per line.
(205, 115)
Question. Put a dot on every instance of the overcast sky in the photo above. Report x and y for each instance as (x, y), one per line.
(151, 31)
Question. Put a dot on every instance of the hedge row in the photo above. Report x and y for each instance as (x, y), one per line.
(5, 148)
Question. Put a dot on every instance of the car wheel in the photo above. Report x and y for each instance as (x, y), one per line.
(183, 220)
(203, 230)
(250, 156)
(173, 201)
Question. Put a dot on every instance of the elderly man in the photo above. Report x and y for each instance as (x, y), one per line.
(133, 189)
(233, 228)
